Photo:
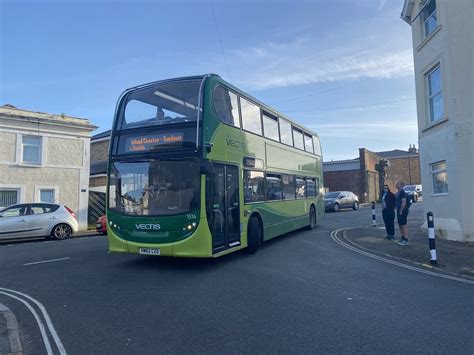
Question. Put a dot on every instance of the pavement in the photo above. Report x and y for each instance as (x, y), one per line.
(300, 293)
(456, 258)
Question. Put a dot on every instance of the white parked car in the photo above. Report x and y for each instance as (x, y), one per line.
(37, 220)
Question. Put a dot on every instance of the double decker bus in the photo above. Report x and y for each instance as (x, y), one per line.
(198, 168)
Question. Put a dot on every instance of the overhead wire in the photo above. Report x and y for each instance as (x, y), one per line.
(220, 41)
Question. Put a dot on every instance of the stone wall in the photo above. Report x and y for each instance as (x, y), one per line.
(65, 151)
(67, 181)
(7, 146)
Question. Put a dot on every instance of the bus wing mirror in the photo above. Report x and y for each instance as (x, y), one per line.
(206, 167)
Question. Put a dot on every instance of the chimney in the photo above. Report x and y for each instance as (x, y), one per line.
(412, 149)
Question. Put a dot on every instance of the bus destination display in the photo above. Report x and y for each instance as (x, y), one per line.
(146, 143)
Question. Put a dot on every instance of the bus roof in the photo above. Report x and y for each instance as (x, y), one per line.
(203, 76)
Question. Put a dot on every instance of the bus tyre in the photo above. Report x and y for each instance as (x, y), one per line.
(61, 231)
(312, 218)
(254, 235)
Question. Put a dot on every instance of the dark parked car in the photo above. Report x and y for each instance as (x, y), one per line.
(413, 192)
(335, 200)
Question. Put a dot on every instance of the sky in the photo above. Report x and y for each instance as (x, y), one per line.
(343, 68)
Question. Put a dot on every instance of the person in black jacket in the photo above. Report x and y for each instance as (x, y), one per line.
(388, 213)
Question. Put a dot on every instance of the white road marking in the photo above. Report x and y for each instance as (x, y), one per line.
(49, 323)
(337, 240)
(46, 261)
(41, 326)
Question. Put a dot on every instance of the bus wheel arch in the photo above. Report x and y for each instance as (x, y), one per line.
(312, 217)
(254, 233)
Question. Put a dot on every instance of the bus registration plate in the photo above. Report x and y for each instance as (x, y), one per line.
(149, 251)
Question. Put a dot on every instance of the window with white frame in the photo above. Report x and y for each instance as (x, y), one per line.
(31, 149)
(439, 176)
(46, 195)
(429, 17)
(434, 94)
(9, 197)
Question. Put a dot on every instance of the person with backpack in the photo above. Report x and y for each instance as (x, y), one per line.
(403, 206)
(388, 212)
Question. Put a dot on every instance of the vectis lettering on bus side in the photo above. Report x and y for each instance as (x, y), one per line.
(235, 144)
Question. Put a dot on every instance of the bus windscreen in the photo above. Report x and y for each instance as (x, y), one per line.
(162, 104)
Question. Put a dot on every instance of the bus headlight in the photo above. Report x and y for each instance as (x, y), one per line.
(189, 227)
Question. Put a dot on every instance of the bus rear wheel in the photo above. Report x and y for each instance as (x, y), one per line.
(254, 235)
(312, 218)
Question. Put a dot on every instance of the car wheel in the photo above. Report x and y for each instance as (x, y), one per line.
(312, 218)
(254, 235)
(336, 207)
(61, 231)
(415, 198)
(355, 206)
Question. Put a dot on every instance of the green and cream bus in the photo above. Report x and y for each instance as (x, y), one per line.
(198, 168)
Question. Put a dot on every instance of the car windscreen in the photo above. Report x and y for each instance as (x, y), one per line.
(332, 194)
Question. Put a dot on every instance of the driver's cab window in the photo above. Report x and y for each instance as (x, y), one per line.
(15, 211)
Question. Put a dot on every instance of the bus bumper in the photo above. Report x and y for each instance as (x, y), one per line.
(197, 245)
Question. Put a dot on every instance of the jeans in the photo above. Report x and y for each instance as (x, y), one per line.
(389, 220)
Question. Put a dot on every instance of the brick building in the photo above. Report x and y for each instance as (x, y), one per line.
(361, 175)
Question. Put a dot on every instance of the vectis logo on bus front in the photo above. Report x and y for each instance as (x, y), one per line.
(147, 226)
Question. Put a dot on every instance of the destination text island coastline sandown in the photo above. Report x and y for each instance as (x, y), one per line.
(198, 168)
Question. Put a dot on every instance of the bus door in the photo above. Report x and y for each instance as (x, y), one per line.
(224, 208)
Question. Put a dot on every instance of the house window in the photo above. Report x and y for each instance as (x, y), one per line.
(435, 94)
(9, 197)
(440, 178)
(429, 17)
(31, 149)
(47, 195)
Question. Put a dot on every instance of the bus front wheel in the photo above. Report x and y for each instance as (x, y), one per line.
(254, 235)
